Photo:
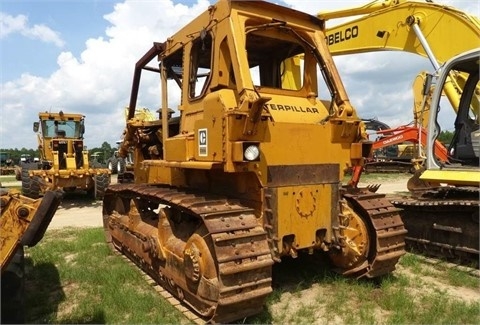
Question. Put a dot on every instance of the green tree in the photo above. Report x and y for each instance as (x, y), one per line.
(103, 152)
(15, 154)
(445, 137)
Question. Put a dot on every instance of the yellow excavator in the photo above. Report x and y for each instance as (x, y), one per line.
(438, 33)
(434, 31)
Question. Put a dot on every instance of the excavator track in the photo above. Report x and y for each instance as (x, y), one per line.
(239, 247)
(443, 226)
(386, 229)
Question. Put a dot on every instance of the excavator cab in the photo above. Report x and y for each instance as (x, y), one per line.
(464, 148)
(465, 145)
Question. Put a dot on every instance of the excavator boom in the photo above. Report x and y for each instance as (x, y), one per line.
(388, 25)
(410, 134)
(431, 30)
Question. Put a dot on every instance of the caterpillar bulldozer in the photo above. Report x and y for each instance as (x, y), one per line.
(23, 223)
(64, 162)
(232, 184)
(441, 220)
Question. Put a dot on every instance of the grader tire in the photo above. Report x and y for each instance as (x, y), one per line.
(121, 166)
(101, 181)
(112, 165)
(30, 185)
(13, 290)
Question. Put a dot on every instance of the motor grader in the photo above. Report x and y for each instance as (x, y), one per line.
(250, 171)
(64, 162)
(23, 223)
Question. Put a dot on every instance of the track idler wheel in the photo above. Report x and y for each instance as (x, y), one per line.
(354, 240)
(199, 268)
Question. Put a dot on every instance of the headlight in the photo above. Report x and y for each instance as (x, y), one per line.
(251, 153)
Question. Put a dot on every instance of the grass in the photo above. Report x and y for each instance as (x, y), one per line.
(7, 178)
(73, 277)
(9, 182)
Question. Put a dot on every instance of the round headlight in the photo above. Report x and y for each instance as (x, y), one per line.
(251, 153)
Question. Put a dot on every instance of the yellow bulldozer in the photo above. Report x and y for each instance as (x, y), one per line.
(23, 222)
(249, 172)
(64, 161)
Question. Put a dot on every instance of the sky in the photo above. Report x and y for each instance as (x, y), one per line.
(78, 56)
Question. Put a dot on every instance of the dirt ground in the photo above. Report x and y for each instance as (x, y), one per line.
(77, 211)
(82, 212)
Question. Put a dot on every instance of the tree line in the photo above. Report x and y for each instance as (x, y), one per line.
(105, 151)
(101, 154)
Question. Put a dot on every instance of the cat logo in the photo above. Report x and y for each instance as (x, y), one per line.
(202, 143)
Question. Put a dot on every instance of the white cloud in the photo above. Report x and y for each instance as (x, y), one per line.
(97, 82)
(19, 24)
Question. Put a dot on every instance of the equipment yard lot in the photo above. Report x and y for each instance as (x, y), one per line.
(316, 295)
(80, 211)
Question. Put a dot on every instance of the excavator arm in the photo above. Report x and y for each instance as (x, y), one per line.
(408, 134)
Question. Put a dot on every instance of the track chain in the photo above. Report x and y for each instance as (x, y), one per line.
(389, 229)
(240, 247)
(176, 303)
(444, 228)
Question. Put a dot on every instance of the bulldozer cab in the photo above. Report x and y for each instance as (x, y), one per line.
(244, 65)
(258, 69)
